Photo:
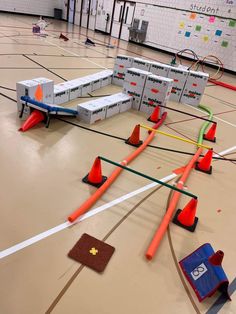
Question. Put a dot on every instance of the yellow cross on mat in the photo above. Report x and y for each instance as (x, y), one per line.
(93, 251)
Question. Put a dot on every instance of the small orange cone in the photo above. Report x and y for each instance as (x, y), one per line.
(95, 177)
(63, 37)
(39, 93)
(134, 139)
(216, 258)
(186, 218)
(155, 115)
(210, 135)
(35, 117)
(204, 164)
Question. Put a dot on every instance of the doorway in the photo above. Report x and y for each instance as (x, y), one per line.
(122, 20)
(89, 12)
(92, 14)
(78, 12)
(71, 13)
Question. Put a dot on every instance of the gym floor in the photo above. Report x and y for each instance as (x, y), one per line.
(41, 172)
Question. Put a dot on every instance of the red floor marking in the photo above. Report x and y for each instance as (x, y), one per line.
(215, 114)
(180, 133)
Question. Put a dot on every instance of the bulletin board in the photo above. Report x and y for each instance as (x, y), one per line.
(206, 29)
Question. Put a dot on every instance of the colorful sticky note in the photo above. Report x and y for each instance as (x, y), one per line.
(212, 19)
(205, 38)
(181, 24)
(232, 23)
(218, 32)
(224, 43)
(187, 34)
(198, 28)
(193, 16)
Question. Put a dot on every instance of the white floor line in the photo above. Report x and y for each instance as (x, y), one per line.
(75, 54)
(227, 122)
(45, 234)
(95, 211)
(224, 152)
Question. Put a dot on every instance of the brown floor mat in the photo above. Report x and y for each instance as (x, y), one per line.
(92, 252)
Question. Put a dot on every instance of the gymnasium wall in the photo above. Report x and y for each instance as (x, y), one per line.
(207, 27)
(37, 7)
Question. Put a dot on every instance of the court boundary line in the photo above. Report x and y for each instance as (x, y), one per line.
(43, 235)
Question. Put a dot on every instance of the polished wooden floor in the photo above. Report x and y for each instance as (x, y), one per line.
(40, 181)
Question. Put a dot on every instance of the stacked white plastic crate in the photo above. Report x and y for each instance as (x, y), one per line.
(73, 89)
(179, 77)
(134, 83)
(121, 64)
(28, 88)
(194, 88)
(156, 92)
(105, 107)
(183, 89)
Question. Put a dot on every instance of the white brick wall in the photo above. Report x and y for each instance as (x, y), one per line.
(174, 30)
(225, 8)
(38, 7)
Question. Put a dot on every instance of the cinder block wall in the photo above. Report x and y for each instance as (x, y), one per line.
(37, 7)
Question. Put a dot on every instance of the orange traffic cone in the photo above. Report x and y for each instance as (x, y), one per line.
(134, 139)
(204, 164)
(95, 177)
(155, 115)
(186, 218)
(35, 117)
(216, 258)
(210, 135)
(63, 37)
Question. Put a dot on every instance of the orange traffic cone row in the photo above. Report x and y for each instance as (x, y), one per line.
(155, 115)
(63, 37)
(35, 117)
(210, 135)
(216, 258)
(204, 164)
(186, 218)
(134, 139)
(95, 177)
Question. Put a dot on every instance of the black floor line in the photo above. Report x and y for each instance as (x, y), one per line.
(8, 88)
(151, 146)
(28, 68)
(24, 44)
(224, 101)
(44, 55)
(220, 302)
(19, 68)
(12, 99)
(42, 66)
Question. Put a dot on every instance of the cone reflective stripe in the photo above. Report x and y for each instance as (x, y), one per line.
(134, 139)
(155, 115)
(187, 216)
(95, 177)
(210, 135)
(216, 258)
(35, 117)
(204, 164)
